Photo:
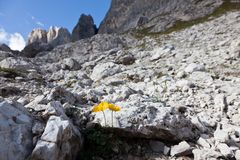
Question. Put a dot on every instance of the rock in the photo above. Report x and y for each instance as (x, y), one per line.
(32, 49)
(37, 100)
(201, 77)
(103, 70)
(59, 141)
(236, 119)
(201, 154)
(197, 122)
(58, 36)
(5, 48)
(54, 108)
(182, 149)
(221, 135)
(70, 64)
(37, 35)
(9, 91)
(149, 120)
(157, 146)
(38, 128)
(225, 150)
(184, 83)
(237, 155)
(125, 59)
(41, 40)
(220, 103)
(193, 67)
(85, 28)
(61, 95)
(4, 55)
(16, 134)
(16, 63)
(203, 142)
(159, 15)
(181, 74)
(235, 49)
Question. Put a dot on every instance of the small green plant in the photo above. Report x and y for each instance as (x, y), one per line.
(99, 142)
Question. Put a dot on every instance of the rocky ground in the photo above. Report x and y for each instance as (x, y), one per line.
(179, 95)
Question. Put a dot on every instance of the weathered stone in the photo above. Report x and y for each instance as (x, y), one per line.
(221, 135)
(237, 155)
(225, 150)
(220, 103)
(60, 141)
(70, 64)
(157, 146)
(182, 149)
(201, 154)
(103, 70)
(203, 142)
(16, 134)
(193, 67)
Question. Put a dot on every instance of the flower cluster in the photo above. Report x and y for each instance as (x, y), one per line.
(105, 105)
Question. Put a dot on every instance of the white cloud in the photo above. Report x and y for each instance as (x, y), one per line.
(15, 41)
(40, 23)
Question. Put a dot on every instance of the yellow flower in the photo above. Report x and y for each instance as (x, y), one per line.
(101, 107)
(112, 107)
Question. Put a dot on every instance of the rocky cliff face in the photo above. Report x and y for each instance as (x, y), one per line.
(156, 15)
(57, 36)
(85, 28)
(37, 35)
(40, 40)
(54, 36)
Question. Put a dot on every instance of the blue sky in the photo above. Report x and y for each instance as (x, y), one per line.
(21, 16)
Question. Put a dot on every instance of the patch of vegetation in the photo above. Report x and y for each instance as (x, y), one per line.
(99, 143)
(70, 83)
(10, 73)
(180, 25)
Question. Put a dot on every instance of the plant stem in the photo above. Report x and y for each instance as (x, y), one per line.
(104, 118)
(112, 118)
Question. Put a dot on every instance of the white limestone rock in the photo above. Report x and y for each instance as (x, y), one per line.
(182, 149)
(60, 140)
(16, 133)
(103, 70)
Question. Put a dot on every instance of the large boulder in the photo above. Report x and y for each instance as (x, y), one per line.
(57, 36)
(85, 28)
(139, 117)
(104, 70)
(16, 134)
(156, 15)
(59, 141)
